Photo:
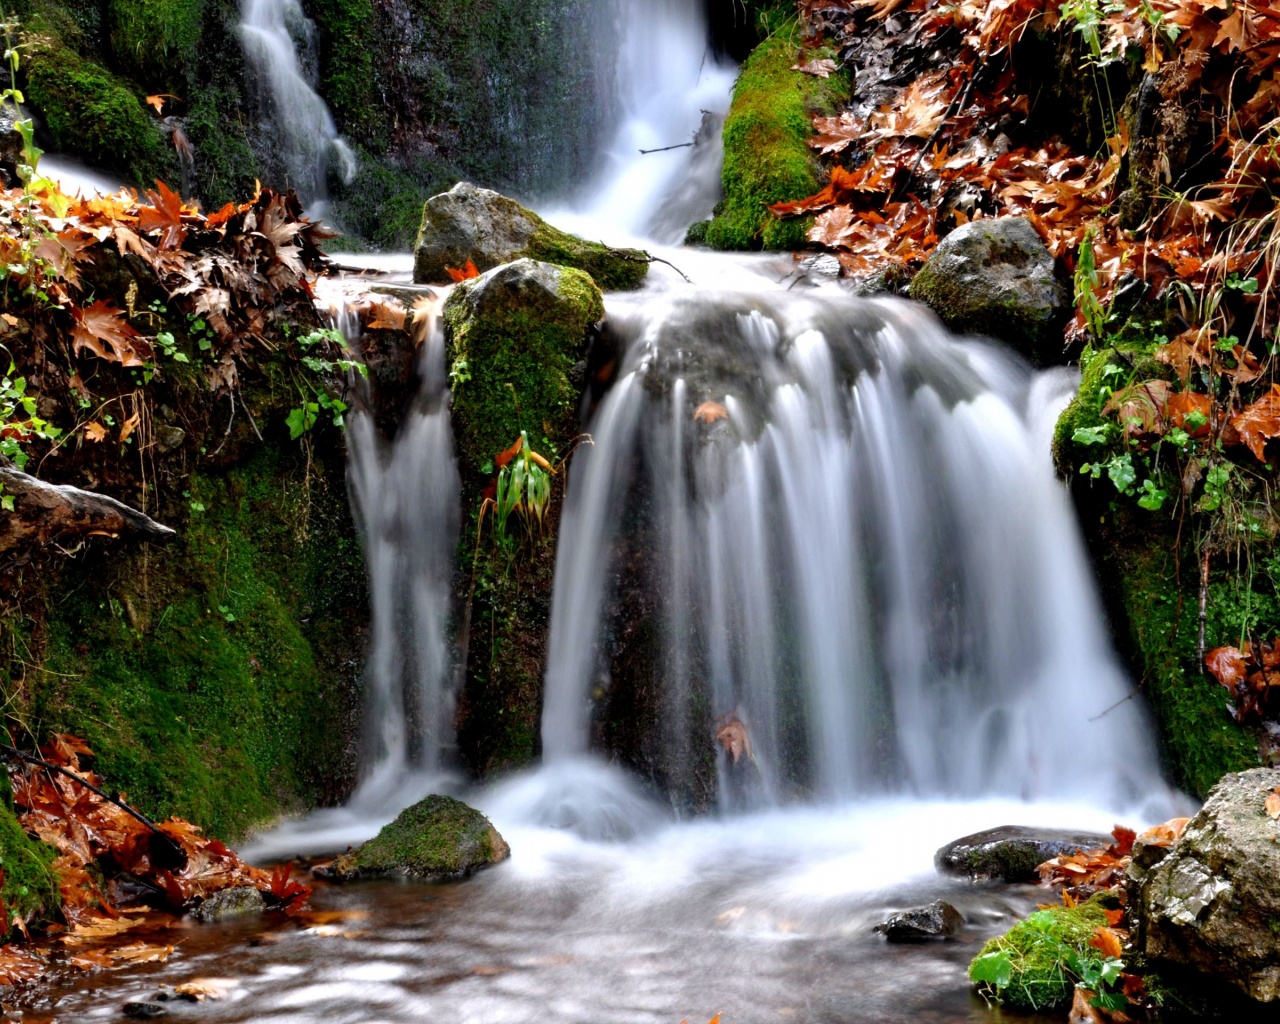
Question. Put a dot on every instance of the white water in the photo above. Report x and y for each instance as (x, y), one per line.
(304, 137)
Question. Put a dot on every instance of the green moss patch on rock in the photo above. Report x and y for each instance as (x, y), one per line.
(438, 839)
(514, 335)
(90, 112)
(767, 158)
(154, 40)
(30, 888)
(476, 225)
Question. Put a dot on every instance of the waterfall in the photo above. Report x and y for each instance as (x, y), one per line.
(303, 136)
(859, 555)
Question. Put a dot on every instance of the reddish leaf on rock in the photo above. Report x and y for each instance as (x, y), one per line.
(1272, 804)
(710, 412)
(1123, 844)
(1259, 423)
(1178, 407)
(465, 274)
(1108, 942)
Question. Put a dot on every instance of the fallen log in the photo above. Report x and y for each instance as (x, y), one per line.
(45, 513)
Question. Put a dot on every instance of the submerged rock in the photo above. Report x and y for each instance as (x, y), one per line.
(1212, 903)
(995, 277)
(471, 223)
(939, 920)
(514, 336)
(438, 839)
(1011, 853)
(238, 902)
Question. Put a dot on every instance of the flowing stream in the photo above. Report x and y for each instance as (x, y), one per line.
(843, 528)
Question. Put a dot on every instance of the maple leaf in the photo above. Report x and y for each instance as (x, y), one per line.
(710, 412)
(94, 431)
(1108, 942)
(465, 274)
(156, 102)
(103, 330)
(164, 215)
(1259, 422)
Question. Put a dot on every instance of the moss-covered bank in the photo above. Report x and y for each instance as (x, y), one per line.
(767, 158)
(1149, 571)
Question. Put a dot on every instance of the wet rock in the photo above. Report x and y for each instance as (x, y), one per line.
(470, 223)
(144, 1011)
(437, 839)
(995, 277)
(10, 144)
(238, 902)
(1011, 853)
(1212, 904)
(169, 437)
(939, 920)
(514, 335)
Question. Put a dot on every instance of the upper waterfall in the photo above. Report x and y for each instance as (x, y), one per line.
(305, 138)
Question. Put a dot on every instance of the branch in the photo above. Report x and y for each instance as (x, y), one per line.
(45, 513)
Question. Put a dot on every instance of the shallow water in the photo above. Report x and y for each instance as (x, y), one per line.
(766, 917)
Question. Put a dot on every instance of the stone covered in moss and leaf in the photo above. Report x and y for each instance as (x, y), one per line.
(1012, 853)
(30, 888)
(767, 158)
(995, 277)
(476, 225)
(514, 336)
(437, 839)
(1037, 964)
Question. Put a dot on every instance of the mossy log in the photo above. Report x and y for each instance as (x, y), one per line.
(45, 513)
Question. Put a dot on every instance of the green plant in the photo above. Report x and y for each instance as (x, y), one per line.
(1086, 288)
(19, 422)
(24, 126)
(524, 488)
(304, 417)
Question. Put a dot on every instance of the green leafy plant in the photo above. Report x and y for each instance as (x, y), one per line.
(315, 399)
(523, 489)
(18, 420)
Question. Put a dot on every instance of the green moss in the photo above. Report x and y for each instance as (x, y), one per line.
(91, 113)
(154, 39)
(225, 164)
(614, 270)
(347, 79)
(767, 159)
(383, 204)
(30, 888)
(207, 678)
(1038, 959)
(437, 838)
(512, 355)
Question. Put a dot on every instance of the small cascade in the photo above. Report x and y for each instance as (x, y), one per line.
(304, 138)
(845, 529)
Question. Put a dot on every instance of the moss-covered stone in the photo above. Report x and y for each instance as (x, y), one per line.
(470, 224)
(90, 112)
(767, 158)
(155, 40)
(514, 335)
(437, 839)
(30, 888)
(1040, 952)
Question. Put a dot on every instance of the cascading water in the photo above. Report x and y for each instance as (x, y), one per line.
(304, 138)
(860, 552)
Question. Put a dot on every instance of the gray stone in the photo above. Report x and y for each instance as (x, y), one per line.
(474, 224)
(227, 903)
(995, 277)
(1012, 853)
(169, 437)
(144, 1011)
(939, 920)
(1212, 904)
(10, 140)
(439, 838)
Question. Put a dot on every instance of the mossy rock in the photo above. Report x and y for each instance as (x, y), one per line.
(514, 335)
(1012, 853)
(995, 277)
(30, 887)
(89, 112)
(767, 158)
(488, 229)
(438, 839)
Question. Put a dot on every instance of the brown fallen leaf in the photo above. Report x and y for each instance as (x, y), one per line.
(1108, 942)
(1259, 423)
(823, 68)
(733, 736)
(94, 431)
(201, 989)
(1273, 805)
(709, 412)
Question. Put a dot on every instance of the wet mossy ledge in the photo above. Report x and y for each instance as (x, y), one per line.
(1149, 571)
(767, 158)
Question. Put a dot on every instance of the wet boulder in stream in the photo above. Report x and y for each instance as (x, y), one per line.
(474, 224)
(438, 839)
(995, 277)
(939, 920)
(1211, 905)
(1012, 853)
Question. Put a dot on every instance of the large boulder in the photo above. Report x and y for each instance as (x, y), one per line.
(514, 336)
(438, 839)
(1011, 853)
(995, 277)
(473, 224)
(1212, 903)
